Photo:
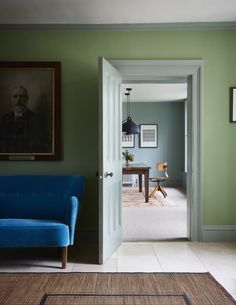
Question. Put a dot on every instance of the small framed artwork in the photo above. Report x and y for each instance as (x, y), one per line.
(30, 111)
(148, 135)
(128, 140)
(233, 104)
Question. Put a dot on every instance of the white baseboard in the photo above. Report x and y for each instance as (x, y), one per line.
(219, 233)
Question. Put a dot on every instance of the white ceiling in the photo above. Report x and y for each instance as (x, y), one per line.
(115, 11)
(155, 92)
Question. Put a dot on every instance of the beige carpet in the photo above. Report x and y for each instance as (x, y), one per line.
(160, 219)
(112, 289)
(131, 197)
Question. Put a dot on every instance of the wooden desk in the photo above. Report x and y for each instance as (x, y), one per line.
(139, 169)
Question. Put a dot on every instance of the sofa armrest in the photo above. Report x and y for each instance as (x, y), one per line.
(71, 216)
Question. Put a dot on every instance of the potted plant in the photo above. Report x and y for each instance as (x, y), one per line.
(128, 157)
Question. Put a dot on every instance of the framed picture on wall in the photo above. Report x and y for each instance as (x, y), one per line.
(30, 111)
(128, 140)
(148, 135)
(233, 104)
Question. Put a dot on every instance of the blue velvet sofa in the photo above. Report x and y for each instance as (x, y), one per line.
(39, 211)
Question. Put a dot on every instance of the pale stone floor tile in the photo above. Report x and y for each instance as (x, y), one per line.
(226, 264)
(14, 265)
(32, 260)
(209, 251)
(138, 264)
(173, 249)
(136, 249)
(36, 265)
(49, 266)
(219, 258)
(185, 264)
(226, 279)
(109, 266)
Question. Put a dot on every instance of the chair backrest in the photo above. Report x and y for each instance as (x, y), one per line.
(162, 167)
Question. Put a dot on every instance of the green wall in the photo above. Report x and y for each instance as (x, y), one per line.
(78, 52)
(169, 116)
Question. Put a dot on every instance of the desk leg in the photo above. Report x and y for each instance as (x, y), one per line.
(146, 186)
(140, 182)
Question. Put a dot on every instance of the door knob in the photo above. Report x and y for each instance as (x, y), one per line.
(108, 174)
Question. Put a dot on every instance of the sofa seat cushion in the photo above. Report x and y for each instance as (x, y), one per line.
(17, 232)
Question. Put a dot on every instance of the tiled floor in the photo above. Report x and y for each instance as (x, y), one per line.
(217, 258)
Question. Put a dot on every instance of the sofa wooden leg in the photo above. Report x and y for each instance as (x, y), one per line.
(64, 257)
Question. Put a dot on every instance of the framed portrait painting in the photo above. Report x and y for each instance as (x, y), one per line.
(30, 111)
(148, 135)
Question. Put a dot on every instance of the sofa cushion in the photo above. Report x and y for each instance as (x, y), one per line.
(33, 233)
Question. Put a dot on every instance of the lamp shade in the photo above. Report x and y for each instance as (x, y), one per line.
(129, 127)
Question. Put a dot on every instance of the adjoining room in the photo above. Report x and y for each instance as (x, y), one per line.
(160, 111)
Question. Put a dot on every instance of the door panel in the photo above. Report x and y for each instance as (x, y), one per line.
(110, 168)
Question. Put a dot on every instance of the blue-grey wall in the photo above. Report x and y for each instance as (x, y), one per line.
(170, 119)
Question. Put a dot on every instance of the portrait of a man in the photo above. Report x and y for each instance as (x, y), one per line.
(28, 121)
(22, 130)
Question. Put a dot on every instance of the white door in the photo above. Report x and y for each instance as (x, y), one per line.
(110, 167)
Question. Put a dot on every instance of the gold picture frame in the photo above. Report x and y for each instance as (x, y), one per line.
(30, 111)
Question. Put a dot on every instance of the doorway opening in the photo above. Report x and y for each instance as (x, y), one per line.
(113, 74)
(160, 109)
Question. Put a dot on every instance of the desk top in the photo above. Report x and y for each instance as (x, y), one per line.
(136, 166)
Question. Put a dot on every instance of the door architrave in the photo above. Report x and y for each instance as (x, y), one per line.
(153, 71)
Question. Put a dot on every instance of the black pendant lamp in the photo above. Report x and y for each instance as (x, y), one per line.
(128, 126)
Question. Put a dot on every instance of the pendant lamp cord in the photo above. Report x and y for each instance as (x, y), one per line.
(128, 101)
(127, 106)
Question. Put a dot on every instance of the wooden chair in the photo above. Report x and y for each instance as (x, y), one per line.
(161, 167)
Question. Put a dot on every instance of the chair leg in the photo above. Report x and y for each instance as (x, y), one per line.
(163, 191)
(154, 191)
(158, 188)
(64, 257)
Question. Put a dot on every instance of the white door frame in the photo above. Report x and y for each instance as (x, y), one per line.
(168, 70)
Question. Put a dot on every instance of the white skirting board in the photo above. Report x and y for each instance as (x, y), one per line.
(219, 233)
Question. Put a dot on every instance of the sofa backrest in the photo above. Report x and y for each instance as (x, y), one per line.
(38, 196)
